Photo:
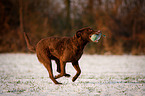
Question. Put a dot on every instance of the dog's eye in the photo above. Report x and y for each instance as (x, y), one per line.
(91, 30)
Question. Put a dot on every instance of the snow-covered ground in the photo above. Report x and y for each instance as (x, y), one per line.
(22, 74)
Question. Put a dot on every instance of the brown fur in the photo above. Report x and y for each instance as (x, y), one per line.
(62, 50)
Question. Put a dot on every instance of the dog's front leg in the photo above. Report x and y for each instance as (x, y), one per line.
(62, 67)
(77, 68)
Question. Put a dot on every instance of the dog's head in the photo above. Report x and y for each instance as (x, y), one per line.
(87, 34)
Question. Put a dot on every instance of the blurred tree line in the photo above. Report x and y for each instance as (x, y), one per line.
(122, 21)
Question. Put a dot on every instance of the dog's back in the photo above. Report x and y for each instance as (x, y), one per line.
(58, 47)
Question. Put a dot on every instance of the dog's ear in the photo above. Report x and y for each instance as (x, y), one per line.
(78, 34)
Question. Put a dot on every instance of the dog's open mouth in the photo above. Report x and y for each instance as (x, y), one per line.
(95, 37)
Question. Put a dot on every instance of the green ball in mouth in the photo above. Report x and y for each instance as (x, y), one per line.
(95, 37)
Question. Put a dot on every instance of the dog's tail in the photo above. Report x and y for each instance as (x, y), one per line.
(30, 47)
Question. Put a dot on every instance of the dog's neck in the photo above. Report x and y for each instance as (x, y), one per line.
(79, 42)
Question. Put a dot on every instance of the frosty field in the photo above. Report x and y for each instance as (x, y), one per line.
(23, 75)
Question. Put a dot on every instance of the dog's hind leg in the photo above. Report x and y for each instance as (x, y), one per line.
(48, 65)
(77, 68)
(62, 73)
(58, 68)
(58, 65)
(49, 69)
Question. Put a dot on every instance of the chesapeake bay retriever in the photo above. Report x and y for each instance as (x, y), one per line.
(62, 50)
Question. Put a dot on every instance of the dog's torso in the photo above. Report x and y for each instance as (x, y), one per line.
(66, 49)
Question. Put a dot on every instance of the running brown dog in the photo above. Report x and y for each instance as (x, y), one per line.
(62, 50)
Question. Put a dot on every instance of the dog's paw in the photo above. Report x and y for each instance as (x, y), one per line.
(74, 79)
(59, 75)
(67, 75)
(59, 83)
(55, 77)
